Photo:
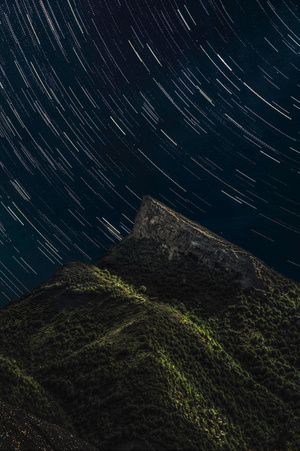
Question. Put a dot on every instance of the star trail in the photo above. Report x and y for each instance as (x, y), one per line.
(196, 103)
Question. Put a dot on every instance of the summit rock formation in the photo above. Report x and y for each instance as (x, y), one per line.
(180, 238)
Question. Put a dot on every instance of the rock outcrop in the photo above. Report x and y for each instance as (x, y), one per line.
(180, 237)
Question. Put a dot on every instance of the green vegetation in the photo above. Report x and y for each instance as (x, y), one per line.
(139, 352)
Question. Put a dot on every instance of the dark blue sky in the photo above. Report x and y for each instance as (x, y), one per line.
(196, 103)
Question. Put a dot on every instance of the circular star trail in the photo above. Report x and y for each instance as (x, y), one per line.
(196, 103)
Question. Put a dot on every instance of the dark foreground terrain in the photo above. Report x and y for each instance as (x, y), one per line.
(22, 431)
(176, 339)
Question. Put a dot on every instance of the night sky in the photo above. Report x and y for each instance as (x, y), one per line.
(194, 102)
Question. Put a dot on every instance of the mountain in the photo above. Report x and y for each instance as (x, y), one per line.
(177, 259)
(175, 339)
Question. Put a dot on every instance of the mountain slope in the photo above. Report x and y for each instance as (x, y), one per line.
(148, 351)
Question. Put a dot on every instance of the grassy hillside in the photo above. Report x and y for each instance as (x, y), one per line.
(140, 354)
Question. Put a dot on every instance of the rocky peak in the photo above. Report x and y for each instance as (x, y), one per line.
(181, 237)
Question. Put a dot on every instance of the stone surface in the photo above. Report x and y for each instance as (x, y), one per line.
(179, 237)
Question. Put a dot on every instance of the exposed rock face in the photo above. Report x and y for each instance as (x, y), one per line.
(179, 237)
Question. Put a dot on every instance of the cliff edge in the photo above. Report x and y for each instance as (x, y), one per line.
(181, 237)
